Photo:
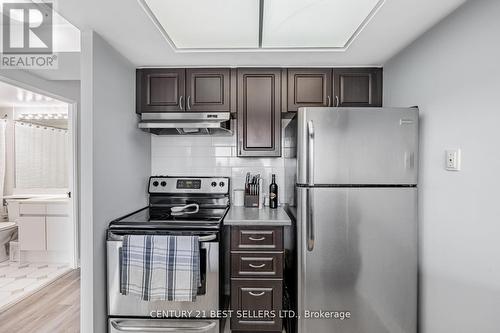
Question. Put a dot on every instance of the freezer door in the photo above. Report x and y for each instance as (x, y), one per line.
(357, 253)
(357, 146)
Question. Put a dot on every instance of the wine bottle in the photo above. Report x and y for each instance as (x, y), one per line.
(273, 193)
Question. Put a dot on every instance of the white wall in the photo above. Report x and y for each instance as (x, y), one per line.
(453, 74)
(115, 164)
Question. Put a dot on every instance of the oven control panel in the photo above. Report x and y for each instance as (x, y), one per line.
(166, 184)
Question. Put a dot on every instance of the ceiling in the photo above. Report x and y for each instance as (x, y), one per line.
(11, 96)
(127, 27)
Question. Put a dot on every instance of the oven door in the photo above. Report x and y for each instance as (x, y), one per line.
(160, 325)
(208, 293)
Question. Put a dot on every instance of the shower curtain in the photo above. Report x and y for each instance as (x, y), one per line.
(3, 124)
(41, 156)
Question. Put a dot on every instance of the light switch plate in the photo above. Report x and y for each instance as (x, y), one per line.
(452, 162)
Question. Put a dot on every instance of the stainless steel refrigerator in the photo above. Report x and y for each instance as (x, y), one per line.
(356, 188)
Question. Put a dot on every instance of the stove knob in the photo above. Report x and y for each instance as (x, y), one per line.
(155, 183)
(214, 184)
(163, 183)
(221, 184)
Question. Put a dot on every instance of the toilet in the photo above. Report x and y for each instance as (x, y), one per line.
(8, 232)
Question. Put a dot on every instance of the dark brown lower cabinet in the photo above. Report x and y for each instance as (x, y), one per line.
(257, 304)
(256, 279)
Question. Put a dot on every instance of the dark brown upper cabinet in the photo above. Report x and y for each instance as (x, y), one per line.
(160, 90)
(357, 87)
(174, 90)
(259, 112)
(208, 89)
(309, 87)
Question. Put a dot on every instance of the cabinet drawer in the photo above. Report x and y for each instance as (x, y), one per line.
(256, 238)
(57, 209)
(268, 265)
(250, 296)
(32, 209)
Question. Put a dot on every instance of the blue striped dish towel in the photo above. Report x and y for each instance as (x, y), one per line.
(160, 267)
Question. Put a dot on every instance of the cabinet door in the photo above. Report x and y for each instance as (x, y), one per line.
(358, 87)
(309, 87)
(251, 296)
(208, 89)
(32, 233)
(259, 116)
(59, 236)
(160, 90)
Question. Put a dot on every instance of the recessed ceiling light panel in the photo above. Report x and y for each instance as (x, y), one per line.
(207, 24)
(314, 23)
(218, 25)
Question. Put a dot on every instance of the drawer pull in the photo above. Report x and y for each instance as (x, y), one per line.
(257, 266)
(257, 294)
(256, 239)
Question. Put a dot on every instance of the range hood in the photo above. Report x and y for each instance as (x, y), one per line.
(186, 123)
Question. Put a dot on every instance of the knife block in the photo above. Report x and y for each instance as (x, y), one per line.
(251, 200)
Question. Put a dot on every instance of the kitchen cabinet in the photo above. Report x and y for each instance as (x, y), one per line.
(180, 89)
(58, 230)
(160, 90)
(357, 87)
(309, 87)
(251, 296)
(44, 227)
(32, 235)
(208, 89)
(259, 112)
(257, 278)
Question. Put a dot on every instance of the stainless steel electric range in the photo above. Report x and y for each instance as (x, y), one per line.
(177, 206)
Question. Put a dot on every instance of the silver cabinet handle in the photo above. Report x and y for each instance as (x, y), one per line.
(256, 239)
(310, 153)
(329, 101)
(189, 102)
(257, 266)
(337, 101)
(116, 325)
(310, 220)
(181, 99)
(257, 294)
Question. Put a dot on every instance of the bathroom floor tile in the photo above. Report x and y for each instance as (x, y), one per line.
(5, 281)
(19, 280)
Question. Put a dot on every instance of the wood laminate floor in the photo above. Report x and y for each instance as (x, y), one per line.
(53, 309)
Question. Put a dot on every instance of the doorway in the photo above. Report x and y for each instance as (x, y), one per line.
(38, 206)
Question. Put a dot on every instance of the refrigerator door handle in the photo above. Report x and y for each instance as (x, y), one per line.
(310, 220)
(310, 153)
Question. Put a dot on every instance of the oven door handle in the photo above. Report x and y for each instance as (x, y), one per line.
(201, 239)
(208, 238)
(116, 325)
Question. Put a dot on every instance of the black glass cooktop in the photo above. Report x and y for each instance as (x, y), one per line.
(162, 217)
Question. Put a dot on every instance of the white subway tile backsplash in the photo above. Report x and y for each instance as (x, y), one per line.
(229, 141)
(212, 156)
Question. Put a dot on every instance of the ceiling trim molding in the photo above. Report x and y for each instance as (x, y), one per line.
(176, 49)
